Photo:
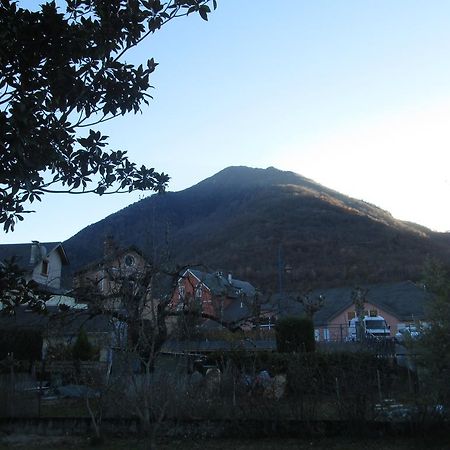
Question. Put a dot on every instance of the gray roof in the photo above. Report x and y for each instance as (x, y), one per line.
(232, 316)
(237, 311)
(240, 292)
(215, 345)
(47, 289)
(404, 300)
(59, 322)
(219, 285)
(22, 253)
(105, 261)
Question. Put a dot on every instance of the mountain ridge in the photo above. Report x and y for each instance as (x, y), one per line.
(241, 218)
(307, 182)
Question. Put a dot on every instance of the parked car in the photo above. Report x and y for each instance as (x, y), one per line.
(409, 332)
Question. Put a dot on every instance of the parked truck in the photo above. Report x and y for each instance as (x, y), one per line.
(373, 327)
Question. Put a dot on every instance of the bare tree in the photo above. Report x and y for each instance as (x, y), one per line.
(359, 299)
(311, 304)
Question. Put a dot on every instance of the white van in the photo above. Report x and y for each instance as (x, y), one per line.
(374, 327)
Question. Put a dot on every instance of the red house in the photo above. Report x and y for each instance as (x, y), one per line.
(218, 296)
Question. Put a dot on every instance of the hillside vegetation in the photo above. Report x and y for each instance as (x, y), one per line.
(242, 219)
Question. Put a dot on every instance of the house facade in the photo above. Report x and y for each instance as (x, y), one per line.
(56, 331)
(42, 263)
(104, 333)
(218, 296)
(108, 275)
(399, 303)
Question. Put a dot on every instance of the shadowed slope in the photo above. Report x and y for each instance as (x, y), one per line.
(240, 218)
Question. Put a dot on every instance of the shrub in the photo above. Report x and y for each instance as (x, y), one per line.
(82, 350)
(295, 335)
(22, 343)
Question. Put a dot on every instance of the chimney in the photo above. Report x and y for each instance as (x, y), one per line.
(35, 254)
(230, 278)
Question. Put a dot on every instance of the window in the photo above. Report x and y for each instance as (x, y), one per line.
(129, 261)
(268, 322)
(375, 324)
(317, 335)
(181, 292)
(373, 313)
(104, 285)
(198, 292)
(351, 315)
(44, 267)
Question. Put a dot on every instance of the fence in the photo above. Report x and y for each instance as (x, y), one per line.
(305, 386)
(341, 333)
(18, 396)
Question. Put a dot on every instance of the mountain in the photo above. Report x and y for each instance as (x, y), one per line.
(254, 221)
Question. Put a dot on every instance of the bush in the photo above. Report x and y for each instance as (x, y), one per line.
(352, 369)
(22, 343)
(82, 350)
(251, 362)
(295, 335)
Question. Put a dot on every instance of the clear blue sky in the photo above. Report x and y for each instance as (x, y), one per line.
(353, 94)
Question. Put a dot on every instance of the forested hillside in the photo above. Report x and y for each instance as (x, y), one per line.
(242, 219)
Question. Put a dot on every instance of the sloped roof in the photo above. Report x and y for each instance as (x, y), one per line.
(22, 252)
(219, 284)
(101, 262)
(203, 346)
(59, 322)
(236, 311)
(47, 289)
(240, 292)
(404, 300)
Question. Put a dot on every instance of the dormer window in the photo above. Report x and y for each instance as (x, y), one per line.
(44, 270)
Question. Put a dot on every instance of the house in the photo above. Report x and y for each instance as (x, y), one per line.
(56, 331)
(108, 275)
(41, 263)
(220, 297)
(104, 332)
(399, 303)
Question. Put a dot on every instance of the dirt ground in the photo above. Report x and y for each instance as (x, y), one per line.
(32, 442)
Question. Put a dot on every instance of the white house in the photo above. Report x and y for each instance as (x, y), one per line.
(41, 262)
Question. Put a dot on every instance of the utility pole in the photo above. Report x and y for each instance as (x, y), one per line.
(282, 268)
